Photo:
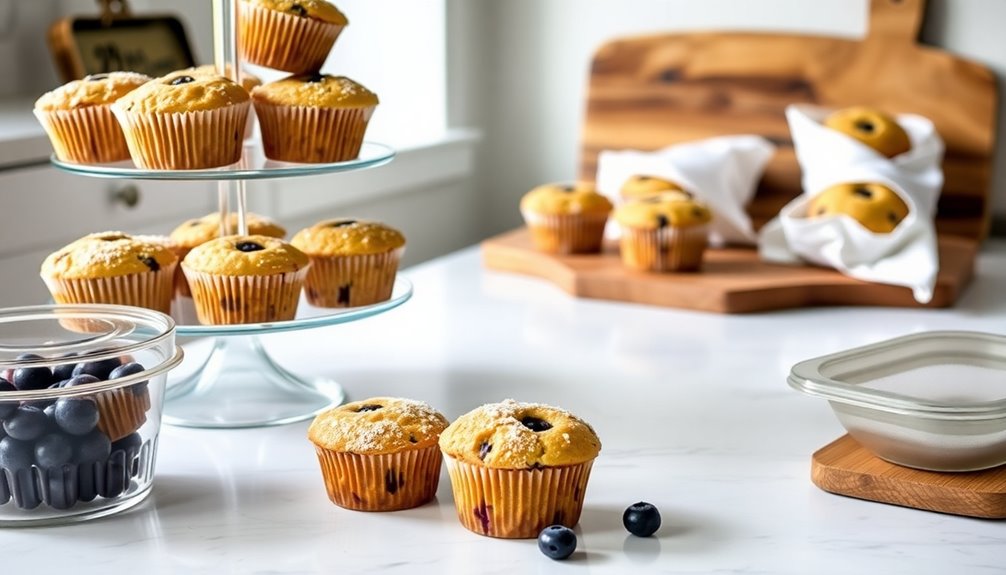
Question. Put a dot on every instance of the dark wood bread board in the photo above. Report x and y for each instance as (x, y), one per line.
(733, 280)
(846, 468)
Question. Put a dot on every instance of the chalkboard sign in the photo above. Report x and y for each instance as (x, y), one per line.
(153, 46)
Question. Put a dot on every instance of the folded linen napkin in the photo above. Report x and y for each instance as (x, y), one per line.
(907, 256)
(722, 172)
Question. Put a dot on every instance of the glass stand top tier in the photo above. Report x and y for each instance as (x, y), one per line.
(252, 166)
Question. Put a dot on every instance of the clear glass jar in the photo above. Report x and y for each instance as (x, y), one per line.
(80, 409)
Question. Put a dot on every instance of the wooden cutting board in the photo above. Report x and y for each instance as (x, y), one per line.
(846, 468)
(649, 92)
(731, 281)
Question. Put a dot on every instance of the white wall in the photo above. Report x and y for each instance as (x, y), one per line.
(535, 57)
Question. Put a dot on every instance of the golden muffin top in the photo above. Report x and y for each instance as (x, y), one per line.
(641, 186)
(877, 207)
(563, 199)
(871, 127)
(671, 209)
(317, 9)
(245, 256)
(315, 91)
(183, 91)
(248, 81)
(347, 237)
(377, 425)
(93, 90)
(512, 435)
(197, 231)
(107, 254)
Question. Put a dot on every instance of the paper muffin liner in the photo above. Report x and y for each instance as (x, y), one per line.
(283, 41)
(185, 140)
(350, 281)
(122, 411)
(222, 300)
(566, 233)
(312, 135)
(152, 290)
(664, 249)
(517, 503)
(384, 482)
(88, 135)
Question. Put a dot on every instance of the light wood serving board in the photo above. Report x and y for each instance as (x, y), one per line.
(846, 468)
(731, 281)
(653, 91)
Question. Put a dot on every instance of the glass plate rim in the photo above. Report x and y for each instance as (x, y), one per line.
(402, 292)
(372, 154)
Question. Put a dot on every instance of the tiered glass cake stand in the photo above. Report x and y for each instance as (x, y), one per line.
(239, 385)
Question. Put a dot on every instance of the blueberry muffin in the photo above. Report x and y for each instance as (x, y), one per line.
(875, 206)
(871, 127)
(353, 262)
(184, 121)
(642, 186)
(197, 231)
(313, 118)
(245, 279)
(379, 454)
(665, 233)
(79, 121)
(566, 218)
(112, 268)
(294, 36)
(517, 468)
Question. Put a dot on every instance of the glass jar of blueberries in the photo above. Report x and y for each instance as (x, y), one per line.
(81, 391)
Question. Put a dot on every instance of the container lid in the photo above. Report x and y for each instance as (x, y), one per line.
(937, 375)
(59, 334)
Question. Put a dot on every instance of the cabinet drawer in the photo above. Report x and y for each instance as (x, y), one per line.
(43, 208)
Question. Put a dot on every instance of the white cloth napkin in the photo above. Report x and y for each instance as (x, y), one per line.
(907, 256)
(722, 172)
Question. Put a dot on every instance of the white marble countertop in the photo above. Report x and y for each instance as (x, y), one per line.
(692, 408)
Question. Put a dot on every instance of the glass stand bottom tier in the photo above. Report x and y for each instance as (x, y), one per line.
(239, 385)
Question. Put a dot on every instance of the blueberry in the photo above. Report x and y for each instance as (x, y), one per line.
(7, 407)
(62, 489)
(641, 519)
(50, 413)
(26, 378)
(131, 368)
(535, 424)
(248, 247)
(182, 80)
(4, 489)
(116, 476)
(80, 380)
(53, 450)
(87, 480)
(92, 448)
(557, 541)
(28, 423)
(76, 415)
(64, 370)
(129, 444)
(25, 490)
(99, 369)
(15, 454)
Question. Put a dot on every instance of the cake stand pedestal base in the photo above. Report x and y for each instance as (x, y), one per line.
(239, 385)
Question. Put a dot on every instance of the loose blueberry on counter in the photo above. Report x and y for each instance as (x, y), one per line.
(28, 423)
(557, 542)
(53, 450)
(7, 407)
(99, 369)
(76, 415)
(641, 519)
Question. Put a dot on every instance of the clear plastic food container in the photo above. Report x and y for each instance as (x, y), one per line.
(934, 401)
(80, 409)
